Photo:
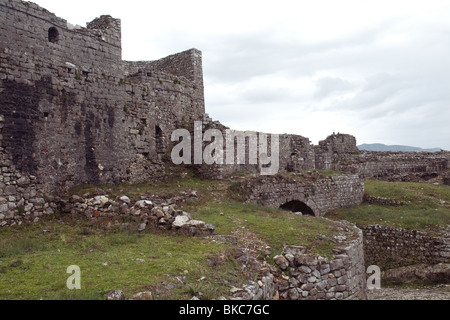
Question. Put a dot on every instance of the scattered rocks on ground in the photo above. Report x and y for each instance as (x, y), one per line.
(163, 216)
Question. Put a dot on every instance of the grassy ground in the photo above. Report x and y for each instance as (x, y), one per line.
(274, 227)
(426, 206)
(33, 264)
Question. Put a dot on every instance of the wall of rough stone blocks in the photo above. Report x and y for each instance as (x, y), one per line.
(71, 113)
(331, 148)
(312, 277)
(339, 153)
(399, 166)
(390, 248)
(322, 194)
(296, 153)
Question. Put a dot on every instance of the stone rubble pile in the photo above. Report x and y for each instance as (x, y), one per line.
(149, 214)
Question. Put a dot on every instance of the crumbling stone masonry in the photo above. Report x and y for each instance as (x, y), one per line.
(317, 278)
(309, 193)
(72, 112)
(309, 276)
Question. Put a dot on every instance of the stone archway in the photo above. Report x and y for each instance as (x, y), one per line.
(298, 206)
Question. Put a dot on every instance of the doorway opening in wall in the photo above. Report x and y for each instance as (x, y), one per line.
(296, 206)
(159, 139)
(53, 35)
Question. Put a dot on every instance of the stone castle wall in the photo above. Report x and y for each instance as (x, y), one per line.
(72, 112)
(339, 153)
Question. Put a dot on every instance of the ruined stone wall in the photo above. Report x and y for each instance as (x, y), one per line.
(175, 86)
(60, 97)
(400, 166)
(339, 152)
(331, 148)
(390, 248)
(296, 153)
(71, 113)
(321, 194)
(313, 277)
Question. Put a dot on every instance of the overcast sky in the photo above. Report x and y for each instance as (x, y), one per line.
(379, 70)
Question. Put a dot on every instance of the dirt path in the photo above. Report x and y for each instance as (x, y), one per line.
(440, 292)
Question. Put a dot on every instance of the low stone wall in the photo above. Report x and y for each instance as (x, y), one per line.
(316, 278)
(145, 211)
(390, 248)
(383, 201)
(21, 197)
(322, 194)
(392, 166)
(308, 276)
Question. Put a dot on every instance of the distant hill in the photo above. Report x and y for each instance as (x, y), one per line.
(383, 147)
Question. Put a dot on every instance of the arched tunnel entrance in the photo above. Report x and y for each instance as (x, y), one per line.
(298, 206)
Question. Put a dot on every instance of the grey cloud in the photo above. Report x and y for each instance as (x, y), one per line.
(328, 85)
(405, 82)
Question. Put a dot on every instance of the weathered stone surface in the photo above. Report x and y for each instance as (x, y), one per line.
(391, 248)
(315, 194)
(282, 262)
(143, 296)
(144, 204)
(115, 295)
(307, 282)
(125, 199)
(426, 274)
(181, 221)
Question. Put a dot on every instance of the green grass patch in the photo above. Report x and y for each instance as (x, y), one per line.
(34, 263)
(276, 227)
(408, 191)
(427, 206)
(168, 186)
(115, 259)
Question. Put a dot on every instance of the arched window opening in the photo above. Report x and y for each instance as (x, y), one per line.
(298, 206)
(53, 35)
